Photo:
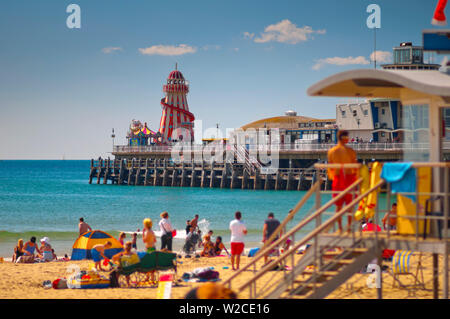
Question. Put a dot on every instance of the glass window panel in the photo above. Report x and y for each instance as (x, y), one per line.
(415, 133)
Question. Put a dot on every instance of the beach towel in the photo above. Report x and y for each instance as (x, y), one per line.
(402, 178)
(365, 185)
(253, 252)
(375, 173)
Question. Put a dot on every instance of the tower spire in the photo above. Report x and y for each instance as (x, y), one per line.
(176, 65)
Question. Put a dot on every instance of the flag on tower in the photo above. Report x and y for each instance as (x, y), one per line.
(439, 15)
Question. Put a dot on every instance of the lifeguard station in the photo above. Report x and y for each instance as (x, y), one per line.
(423, 210)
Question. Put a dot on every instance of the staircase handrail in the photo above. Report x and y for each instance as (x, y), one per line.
(283, 238)
(312, 234)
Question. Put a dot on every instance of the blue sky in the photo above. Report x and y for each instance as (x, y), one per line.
(62, 90)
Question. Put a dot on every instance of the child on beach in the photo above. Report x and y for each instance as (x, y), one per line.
(98, 251)
(134, 241)
(46, 249)
(208, 247)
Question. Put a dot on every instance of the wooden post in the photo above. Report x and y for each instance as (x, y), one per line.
(105, 177)
(223, 181)
(99, 172)
(130, 171)
(267, 182)
(138, 172)
(435, 276)
(289, 181)
(174, 177)
(244, 179)
(165, 175)
(257, 182)
(233, 178)
(213, 176)
(278, 180)
(120, 181)
(146, 173)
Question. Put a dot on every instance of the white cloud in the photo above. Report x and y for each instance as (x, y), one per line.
(168, 50)
(340, 61)
(248, 35)
(382, 56)
(285, 32)
(109, 50)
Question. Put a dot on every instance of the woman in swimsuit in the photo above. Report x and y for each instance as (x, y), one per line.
(18, 250)
(30, 247)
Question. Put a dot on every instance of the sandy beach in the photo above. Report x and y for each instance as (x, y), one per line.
(24, 281)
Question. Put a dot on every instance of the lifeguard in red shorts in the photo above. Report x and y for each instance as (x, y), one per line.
(342, 178)
(238, 231)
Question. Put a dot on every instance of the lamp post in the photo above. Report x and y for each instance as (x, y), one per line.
(113, 137)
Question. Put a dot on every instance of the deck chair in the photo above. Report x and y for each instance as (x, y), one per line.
(154, 261)
(401, 266)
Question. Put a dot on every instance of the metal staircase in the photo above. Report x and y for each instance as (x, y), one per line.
(319, 271)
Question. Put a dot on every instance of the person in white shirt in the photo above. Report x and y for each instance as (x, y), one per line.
(238, 232)
(166, 231)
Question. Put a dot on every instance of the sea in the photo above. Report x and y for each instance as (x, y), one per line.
(47, 198)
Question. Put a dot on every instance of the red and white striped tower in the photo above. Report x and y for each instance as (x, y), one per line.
(176, 120)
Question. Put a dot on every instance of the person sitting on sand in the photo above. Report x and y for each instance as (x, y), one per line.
(30, 247)
(210, 233)
(208, 247)
(46, 249)
(219, 246)
(18, 250)
(97, 252)
(122, 237)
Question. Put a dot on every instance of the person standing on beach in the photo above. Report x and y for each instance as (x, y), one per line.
(148, 236)
(342, 178)
(122, 237)
(194, 222)
(270, 225)
(238, 231)
(166, 231)
(83, 227)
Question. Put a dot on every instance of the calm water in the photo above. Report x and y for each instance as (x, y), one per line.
(47, 198)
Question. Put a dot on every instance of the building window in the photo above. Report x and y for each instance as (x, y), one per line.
(343, 113)
(366, 112)
(355, 113)
(383, 111)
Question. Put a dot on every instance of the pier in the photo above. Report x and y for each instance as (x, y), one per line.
(163, 172)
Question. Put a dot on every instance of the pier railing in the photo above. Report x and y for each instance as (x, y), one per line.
(297, 147)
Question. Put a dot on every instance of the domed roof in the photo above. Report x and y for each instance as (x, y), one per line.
(175, 75)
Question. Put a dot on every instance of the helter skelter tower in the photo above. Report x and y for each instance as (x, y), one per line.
(176, 121)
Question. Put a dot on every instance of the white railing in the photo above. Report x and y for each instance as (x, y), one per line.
(284, 147)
